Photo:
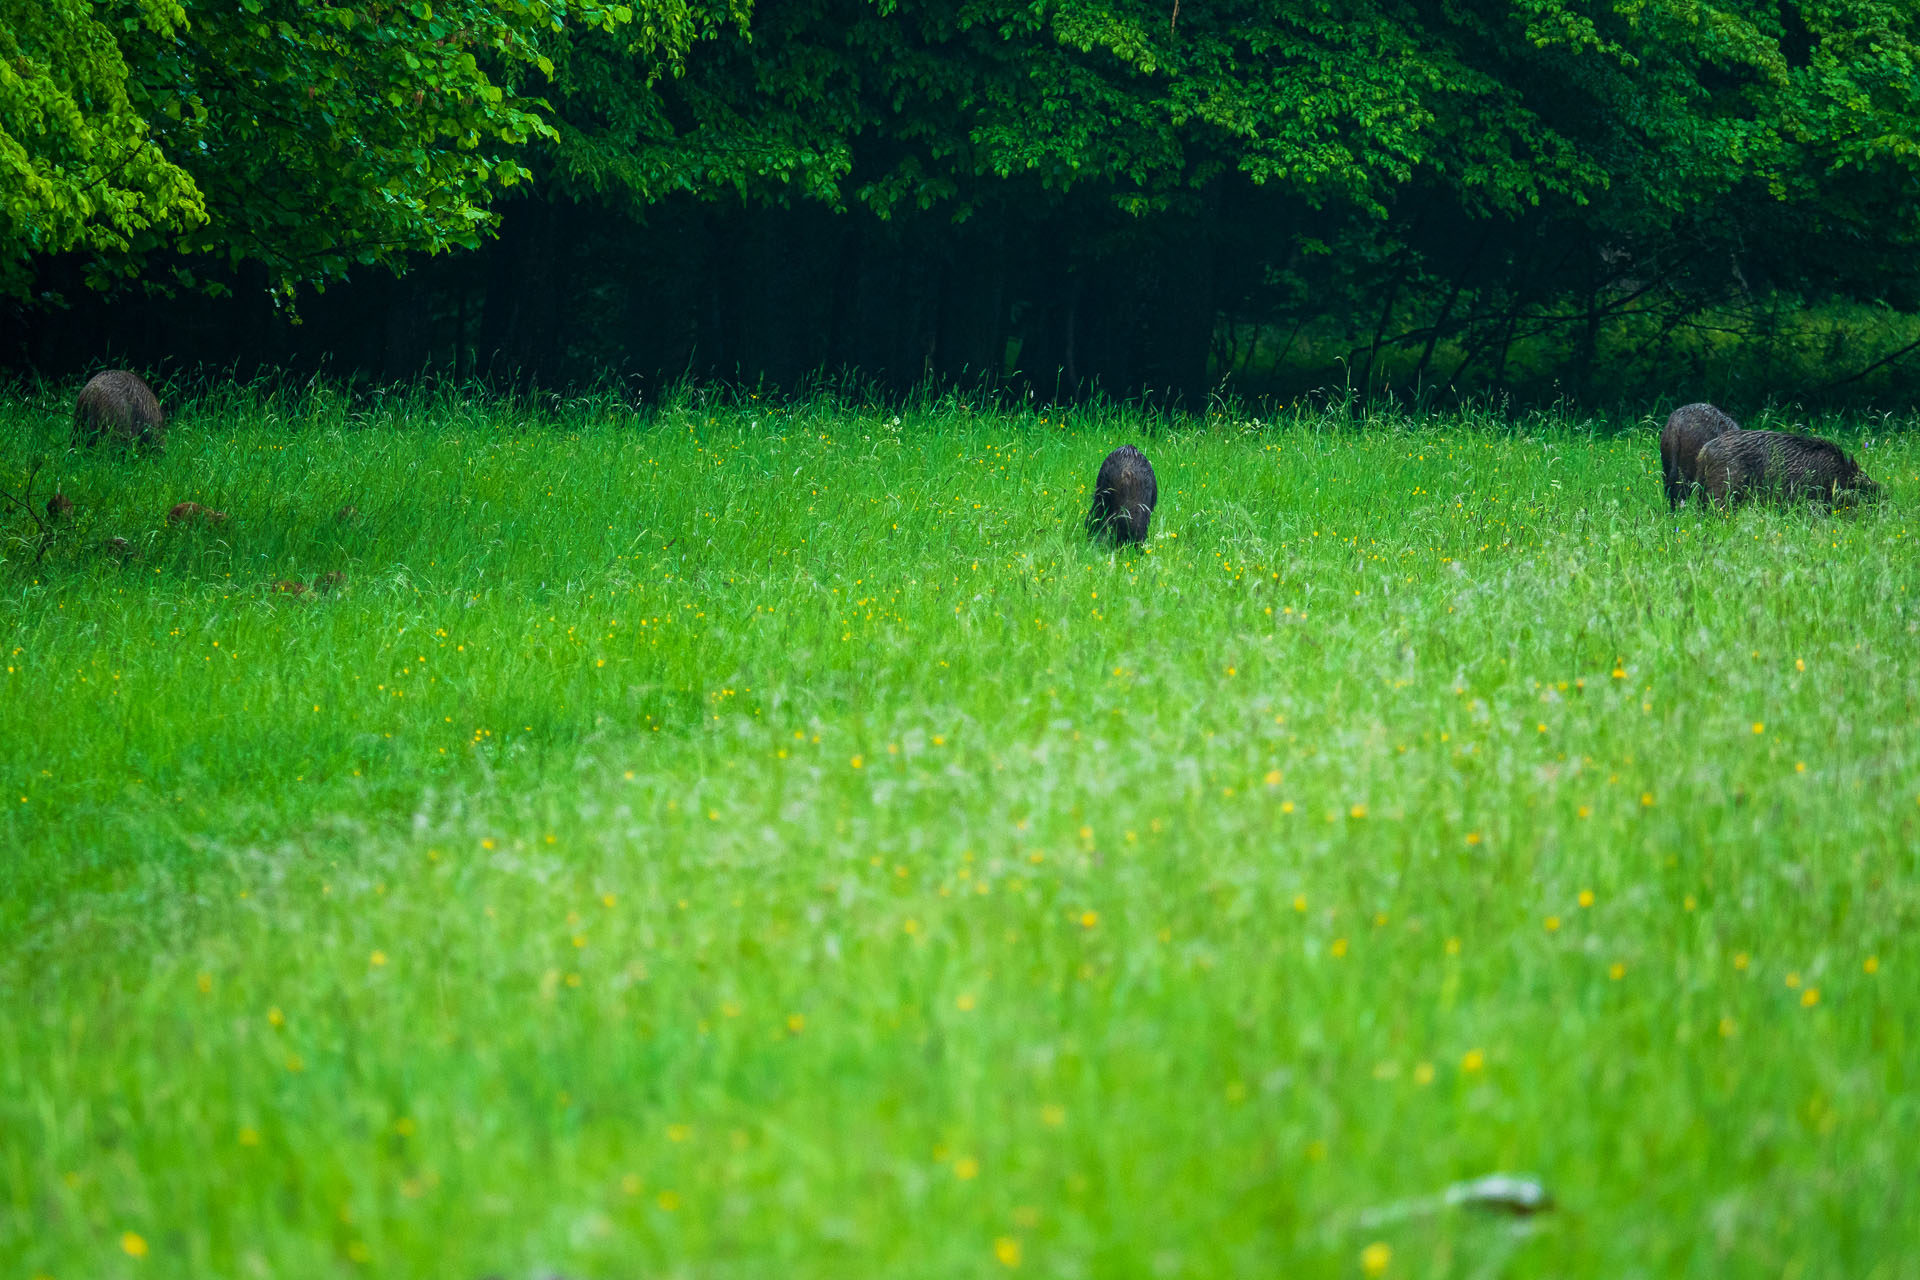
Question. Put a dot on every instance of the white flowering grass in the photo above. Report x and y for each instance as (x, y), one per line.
(741, 841)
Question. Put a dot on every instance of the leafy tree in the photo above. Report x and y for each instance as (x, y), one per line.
(78, 167)
(304, 137)
(918, 104)
(1103, 185)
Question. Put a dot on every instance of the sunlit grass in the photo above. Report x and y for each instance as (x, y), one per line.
(741, 840)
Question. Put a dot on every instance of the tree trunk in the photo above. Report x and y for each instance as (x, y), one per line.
(1183, 313)
(520, 317)
(1446, 309)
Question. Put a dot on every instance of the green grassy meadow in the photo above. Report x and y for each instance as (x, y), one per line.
(734, 840)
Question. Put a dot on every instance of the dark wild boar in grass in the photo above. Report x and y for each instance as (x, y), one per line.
(119, 407)
(1688, 429)
(1782, 467)
(59, 505)
(1123, 498)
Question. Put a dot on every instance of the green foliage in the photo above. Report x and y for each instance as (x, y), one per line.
(769, 841)
(1344, 107)
(1448, 178)
(637, 132)
(954, 96)
(305, 138)
(1744, 359)
(1500, 105)
(330, 135)
(78, 167)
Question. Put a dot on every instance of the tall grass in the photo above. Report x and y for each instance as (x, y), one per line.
(755, 840)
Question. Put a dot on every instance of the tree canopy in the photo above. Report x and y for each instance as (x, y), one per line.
(1459, 174)
(299, 136)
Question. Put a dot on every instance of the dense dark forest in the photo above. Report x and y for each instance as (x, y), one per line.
(1587, 198)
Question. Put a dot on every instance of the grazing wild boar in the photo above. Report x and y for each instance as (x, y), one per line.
(1688, 428)
(188, 512)
(119, 407)
(1123, 497)
(1781, 466)
(58, 505)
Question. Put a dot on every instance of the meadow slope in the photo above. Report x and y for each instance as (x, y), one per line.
(736, 840)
